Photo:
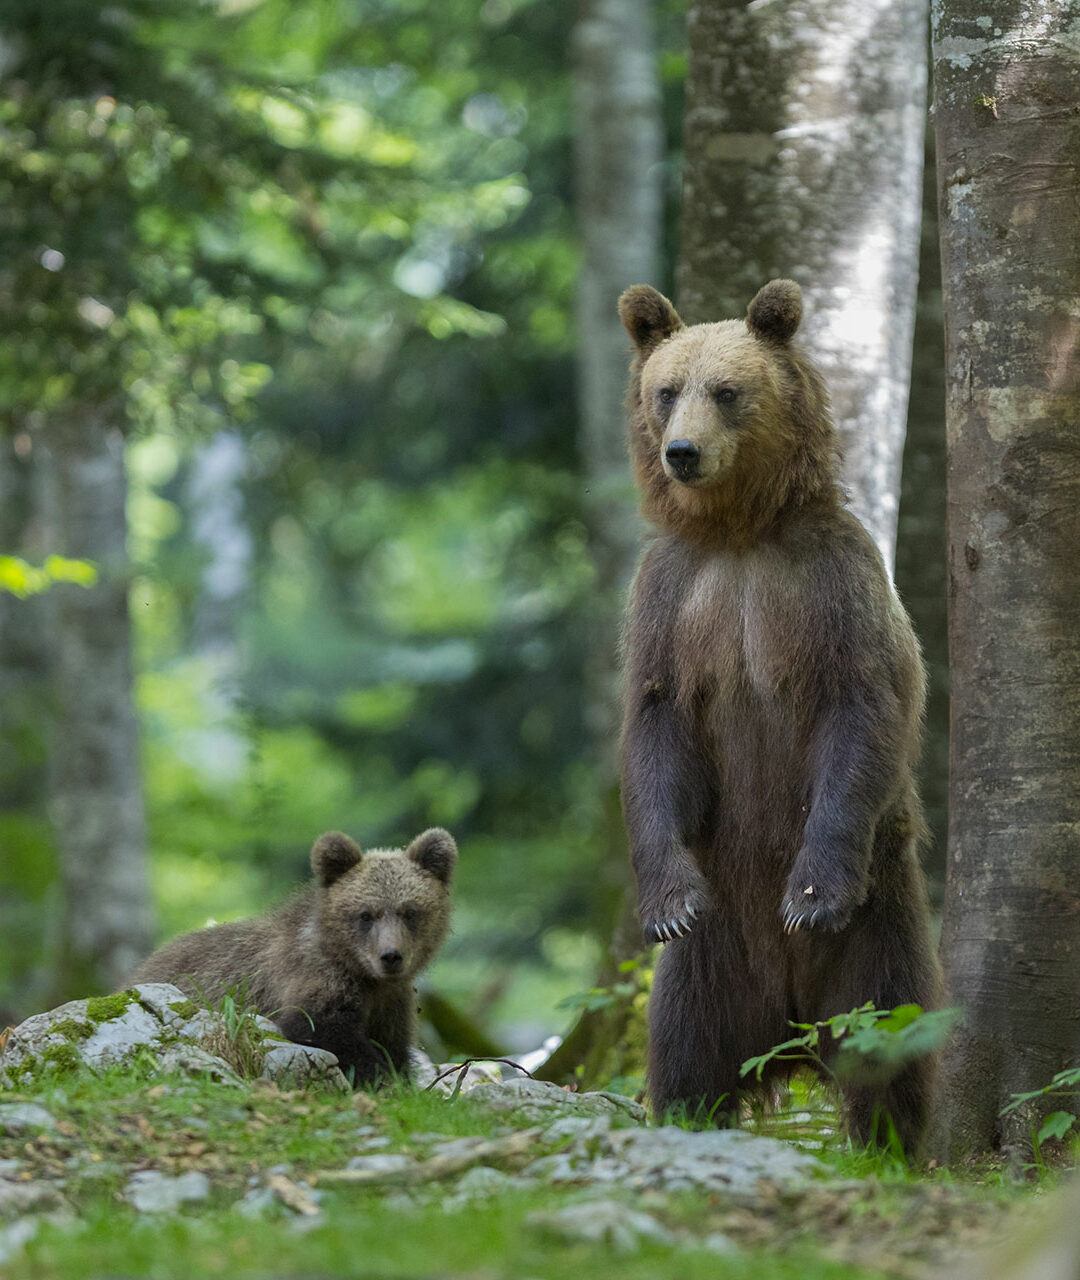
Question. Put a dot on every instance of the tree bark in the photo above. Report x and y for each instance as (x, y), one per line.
(618, 158)
(618, 168)
(618, 155)
(1008, 145)
(804, 158)
(95, 795)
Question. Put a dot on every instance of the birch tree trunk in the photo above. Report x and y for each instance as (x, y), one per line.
(618, 168)
(95, 795)
(804, 158)
(1008, 145)
(619, 150)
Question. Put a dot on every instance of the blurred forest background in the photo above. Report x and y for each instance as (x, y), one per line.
(302, 274)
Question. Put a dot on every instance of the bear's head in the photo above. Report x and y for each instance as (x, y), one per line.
(388, 910)
(729, 423)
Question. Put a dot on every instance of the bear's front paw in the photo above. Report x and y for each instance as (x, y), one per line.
(823, 899)
(670, 911)
(814, 911)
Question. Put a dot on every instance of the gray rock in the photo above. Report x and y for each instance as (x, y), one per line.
(256, 1202)
(577, 1127)
(455, 1076)
(17, 1118)
(19, 1198)
(121, 1037)
(538, 1099)
(716, 1242)
(484, 1181)
(602, 1222)
(388, 1164)
(158, 1017)
(296, 1066)
(193, 1061)
(14, 1237)
(152, 1192)
(672, 1159)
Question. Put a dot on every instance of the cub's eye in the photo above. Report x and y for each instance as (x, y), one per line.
(411, 916)
(667, 395)
(726, 395)
(366, 918)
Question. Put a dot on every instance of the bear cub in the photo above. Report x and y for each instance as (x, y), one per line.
(774, 699)
(334, 966)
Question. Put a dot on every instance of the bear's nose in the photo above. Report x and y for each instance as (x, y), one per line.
(683, 458)
(391, 961)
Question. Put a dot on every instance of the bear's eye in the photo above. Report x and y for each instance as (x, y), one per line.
(411, 917)
(366, 919)
(667, 395)
(726, 395)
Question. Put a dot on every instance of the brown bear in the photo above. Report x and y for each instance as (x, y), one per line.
(773, 707)
(334, 966)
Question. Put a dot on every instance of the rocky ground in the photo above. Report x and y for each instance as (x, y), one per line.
(142, 1136)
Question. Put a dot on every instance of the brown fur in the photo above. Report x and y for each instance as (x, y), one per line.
(774, 695)
(334, 966)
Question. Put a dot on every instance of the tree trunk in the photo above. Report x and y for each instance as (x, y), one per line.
(1008, 146)
(618, 158)
(27, 868)
(804, 158)
(95, 797)
(618, 168)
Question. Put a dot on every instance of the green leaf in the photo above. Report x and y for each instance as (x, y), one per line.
(1056, 1125)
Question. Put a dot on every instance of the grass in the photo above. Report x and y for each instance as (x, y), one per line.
(121, 1121)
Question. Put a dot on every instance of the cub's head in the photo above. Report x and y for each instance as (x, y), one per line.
(389, 909)
(730, 423)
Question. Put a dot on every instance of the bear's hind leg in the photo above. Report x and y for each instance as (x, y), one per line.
(698, 1023)
(885, 955)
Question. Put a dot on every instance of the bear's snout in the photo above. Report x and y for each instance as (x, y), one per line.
(392, 962)
(684, 459)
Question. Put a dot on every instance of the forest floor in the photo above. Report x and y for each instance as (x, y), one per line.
(133, 1174)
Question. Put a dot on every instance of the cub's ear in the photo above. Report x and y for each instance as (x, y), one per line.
(435, 852)
(775, 312)
(332, 855)
(648, 317)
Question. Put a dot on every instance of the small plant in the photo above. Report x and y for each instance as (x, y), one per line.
(873, 1044)
(1058, 1124)
(596, 998)
(241, 1040)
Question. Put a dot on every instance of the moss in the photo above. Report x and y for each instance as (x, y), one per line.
(70, 1029)
(184, 1008)
(62, 1058)
(105, 1008)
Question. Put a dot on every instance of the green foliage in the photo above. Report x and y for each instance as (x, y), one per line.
(867, 1045)
(1058, 1124)
(596, 998)
(21, 579)
(240, 1042)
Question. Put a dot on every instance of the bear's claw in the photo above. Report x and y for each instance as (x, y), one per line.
(812, 914)
(677, 927)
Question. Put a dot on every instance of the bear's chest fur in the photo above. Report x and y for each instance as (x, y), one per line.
(740, 644)
(743, 620)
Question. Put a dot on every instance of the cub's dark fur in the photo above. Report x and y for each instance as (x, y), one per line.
(334, 966)
(774, 696)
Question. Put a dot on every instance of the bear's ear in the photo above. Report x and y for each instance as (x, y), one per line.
(435, 852)
(775, 311)
(648, 317)
(332, 855)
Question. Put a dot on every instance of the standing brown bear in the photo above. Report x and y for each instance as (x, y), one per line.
(334, 966)
(774, 699)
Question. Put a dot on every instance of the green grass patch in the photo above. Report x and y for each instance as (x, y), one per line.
(118, 1121)
(364, 1235)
